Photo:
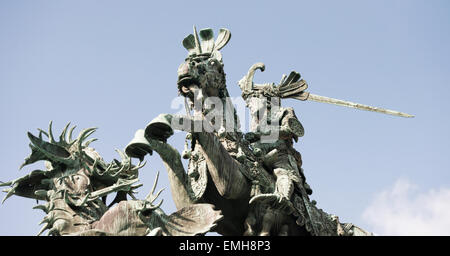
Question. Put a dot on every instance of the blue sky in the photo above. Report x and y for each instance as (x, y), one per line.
(112, 64)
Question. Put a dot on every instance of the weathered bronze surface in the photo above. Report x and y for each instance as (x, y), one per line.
(77, 181)
(258, 186)
(236, 183)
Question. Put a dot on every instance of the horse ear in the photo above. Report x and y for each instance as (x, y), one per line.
(222, 39)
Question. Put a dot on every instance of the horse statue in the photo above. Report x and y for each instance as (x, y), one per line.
(227, 168)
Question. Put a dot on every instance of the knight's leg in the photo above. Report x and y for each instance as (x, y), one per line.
(284, 184)
(268, 222)
(284, 231)
(250, 222)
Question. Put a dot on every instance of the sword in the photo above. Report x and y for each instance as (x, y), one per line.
(293, 87)
(349, 104)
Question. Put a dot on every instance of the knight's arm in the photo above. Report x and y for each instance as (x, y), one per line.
(290, 126)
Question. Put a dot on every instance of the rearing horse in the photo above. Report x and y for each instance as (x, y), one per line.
(223, 170)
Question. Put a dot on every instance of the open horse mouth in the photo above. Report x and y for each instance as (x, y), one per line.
(185, 83)
(185, 80)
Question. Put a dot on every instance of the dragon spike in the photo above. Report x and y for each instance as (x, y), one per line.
(33, 157)
(83, 135)
(131, 195)
(149, 196)
(9, 192)
(157, 195)
(94, 165)
(155, 232)
(50, 133)
(46, 226)
(62, 137)
(131, 192)
(136, 186)
(114, 169)
(156, 206)
(118, 172)
(88, 132)
(139, 166)
(123, 156)
(41, 193)
(198, 48)
(42, 150)
(4, 184)
(53, 232)
(42, 207)
(42, 132)
(46, 219)
(108, 169)
(71, 132)
(87, 143)
(126, 161)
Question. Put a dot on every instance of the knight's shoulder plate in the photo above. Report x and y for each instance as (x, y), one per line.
(290, 120)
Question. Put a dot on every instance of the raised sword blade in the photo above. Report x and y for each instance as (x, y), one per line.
(349, 104)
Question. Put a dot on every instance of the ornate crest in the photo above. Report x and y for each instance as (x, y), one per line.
(208, 46)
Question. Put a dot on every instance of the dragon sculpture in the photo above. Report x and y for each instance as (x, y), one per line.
(77, 181)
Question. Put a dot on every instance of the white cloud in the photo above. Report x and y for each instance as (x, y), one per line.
(404, 210)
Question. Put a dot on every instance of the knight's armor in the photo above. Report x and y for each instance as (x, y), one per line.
(286, 162)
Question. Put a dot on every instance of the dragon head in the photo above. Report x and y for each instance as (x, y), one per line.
(68, 157)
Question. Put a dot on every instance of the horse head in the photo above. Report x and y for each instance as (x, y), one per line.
(201, 75)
